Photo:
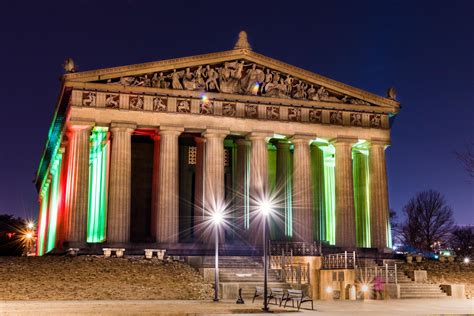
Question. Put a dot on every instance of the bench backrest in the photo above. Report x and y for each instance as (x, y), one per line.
(259, 289)
(276, 291)
(295, 293)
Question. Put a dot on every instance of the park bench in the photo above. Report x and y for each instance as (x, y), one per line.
(118, 252)
(160, 253)
(258, 293)
(298, 297)
(278, 294)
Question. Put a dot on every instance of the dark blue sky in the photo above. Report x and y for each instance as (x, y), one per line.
(423, 48)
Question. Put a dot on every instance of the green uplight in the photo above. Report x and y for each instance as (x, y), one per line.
(97, 210)
(328, 181)
(54, 201)
(360, 173)
(43, 219)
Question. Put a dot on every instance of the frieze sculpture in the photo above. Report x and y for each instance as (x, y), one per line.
(237, 77)
(159, 105)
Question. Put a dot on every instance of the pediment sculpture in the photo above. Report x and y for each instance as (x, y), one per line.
(237, 77)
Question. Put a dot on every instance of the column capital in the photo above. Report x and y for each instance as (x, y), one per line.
(212, 133)
(347, 140)
(302, 138)
(259, 135)
(118, 126)
(80, 125)
(171, 130)
(379, 142)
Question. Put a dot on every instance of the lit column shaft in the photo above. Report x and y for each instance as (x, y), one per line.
(345, 212)
(284, 186)
(118, 217)
(155, 185)
(258, 182)
(379, 212)
(302, 190)
(78, 182)
(199, 190)
(361, 198)
(168, 186)
(317, 172)
(214, 188)
(242, 182)
(97, 213)
(54, 200)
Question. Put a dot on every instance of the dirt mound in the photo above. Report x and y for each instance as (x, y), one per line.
(98, 278)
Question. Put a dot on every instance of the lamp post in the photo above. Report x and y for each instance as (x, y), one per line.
(217, 219)
(265, 209)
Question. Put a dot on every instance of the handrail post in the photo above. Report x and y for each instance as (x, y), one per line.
(345, 259)
(386, 273)
(396, 274)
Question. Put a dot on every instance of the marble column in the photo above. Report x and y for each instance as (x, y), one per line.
(199, 190)
(214, 185)
(155, 185)
(379, 211)
(345, 211)
(78, 182)
(258, 183)
(118, 215)
(317, 171)
(302, 189)
(242, 182)
(284, 223)
(168, 187)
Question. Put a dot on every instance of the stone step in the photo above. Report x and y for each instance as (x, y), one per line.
(438, 295)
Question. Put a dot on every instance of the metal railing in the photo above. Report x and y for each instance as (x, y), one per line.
(345, 260)
(285, 259)
(295, 274)
(387, 272)
(295, 248)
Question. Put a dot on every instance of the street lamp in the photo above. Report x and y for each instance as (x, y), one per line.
(265, 210)
(217, 219)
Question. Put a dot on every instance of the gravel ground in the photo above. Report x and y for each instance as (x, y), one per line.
(98, 278)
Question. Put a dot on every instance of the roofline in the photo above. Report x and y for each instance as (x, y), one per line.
(182, 62)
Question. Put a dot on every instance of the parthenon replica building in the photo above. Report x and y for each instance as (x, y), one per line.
(141, 156)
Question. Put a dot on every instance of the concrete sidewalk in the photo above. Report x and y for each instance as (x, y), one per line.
(155, 307)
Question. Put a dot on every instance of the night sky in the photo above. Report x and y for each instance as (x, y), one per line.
(423, 48)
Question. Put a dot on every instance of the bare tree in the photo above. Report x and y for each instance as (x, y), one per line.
(428, 220)
(467, 159)
(462, 240)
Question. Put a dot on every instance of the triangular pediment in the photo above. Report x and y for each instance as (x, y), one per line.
(240, 72)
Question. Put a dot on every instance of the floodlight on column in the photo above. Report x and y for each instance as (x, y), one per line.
(97, 213)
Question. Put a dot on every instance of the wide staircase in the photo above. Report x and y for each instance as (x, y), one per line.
(245, 271)
(408, 288)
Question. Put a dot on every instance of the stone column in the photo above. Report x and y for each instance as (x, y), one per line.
(284, 170)
(155, 185)
(345, 211)
(214, 187)
(199, 190)
(379, 212)
(168, 187)
(302, 189)
(258, 183)
(78, 182)
(242, 182)
(118, 215)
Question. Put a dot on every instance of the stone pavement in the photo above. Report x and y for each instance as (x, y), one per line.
(155, 307)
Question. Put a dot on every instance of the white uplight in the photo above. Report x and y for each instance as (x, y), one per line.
(329, 290)
(466, 260)
(217, 218)
(29, 235)
(365, 288)
(265, 208)
(30, 225)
